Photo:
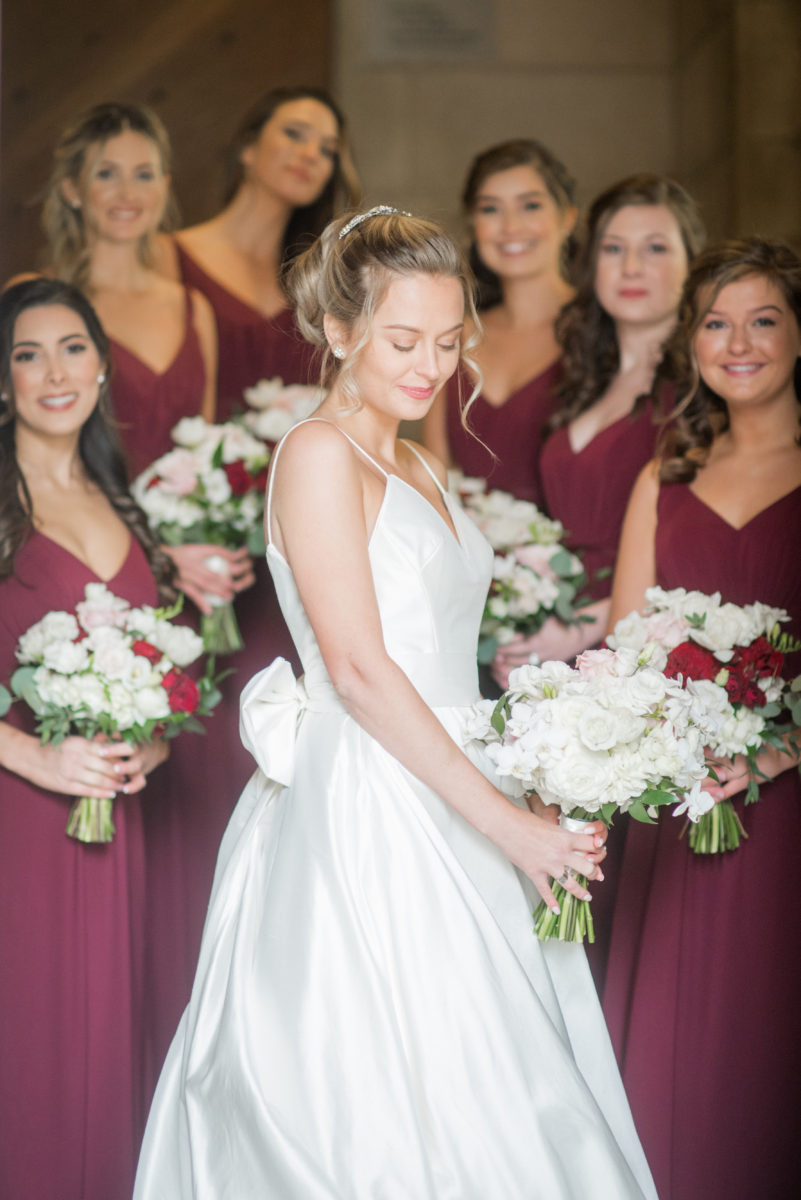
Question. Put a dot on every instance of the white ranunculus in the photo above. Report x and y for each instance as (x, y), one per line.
(115, 661)
(66, 657)
(53, 627)
(597, 728)
(91, 694)
(646, 690)
(218, 489)
(629, 631)
(178, 642)
(121, 705)
(150, 704)
(190, 431)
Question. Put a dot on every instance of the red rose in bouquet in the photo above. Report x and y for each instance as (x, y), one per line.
(692, 661)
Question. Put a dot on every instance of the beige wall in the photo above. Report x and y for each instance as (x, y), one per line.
(590, 78)
(707, 90)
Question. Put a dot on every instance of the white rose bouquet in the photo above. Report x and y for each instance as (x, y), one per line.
(114, 670)
(210, 489)
(275, 407)
(534, 577)
(612, 735)
(731, 658)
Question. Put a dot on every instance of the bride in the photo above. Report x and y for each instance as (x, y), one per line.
(372, 1015)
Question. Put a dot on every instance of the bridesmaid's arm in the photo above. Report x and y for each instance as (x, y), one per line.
(734, 774)
(206, 327)
(324, 505)
(435, 429)
(635, 570)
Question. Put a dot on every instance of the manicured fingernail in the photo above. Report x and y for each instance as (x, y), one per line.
(600, 875)
(599, 841)
(556, 909)
(586, 896)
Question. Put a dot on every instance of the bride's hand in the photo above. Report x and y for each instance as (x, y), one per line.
(544, 851)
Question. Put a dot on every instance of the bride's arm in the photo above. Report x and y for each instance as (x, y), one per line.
(322, 516)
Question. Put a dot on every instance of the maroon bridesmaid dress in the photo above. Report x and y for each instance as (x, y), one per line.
(703, 994)
(250, 346)
(72, 961)
(148, 404)
(512, 431)
(588, 490)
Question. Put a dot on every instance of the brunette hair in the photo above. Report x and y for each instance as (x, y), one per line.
(68, 251)
(701, 414)
(342, 189)
(345, 275)
(98, 448)
(561, 187)
(584, 329)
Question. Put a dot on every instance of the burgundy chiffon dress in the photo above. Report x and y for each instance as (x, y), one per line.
(72, 961)
(588, 490)
(703, 995)
(512, 431)
(148, 404)
(250, 346)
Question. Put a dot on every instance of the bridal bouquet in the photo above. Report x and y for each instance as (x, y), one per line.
(534, 577)
(115, 670)
(612, 734)
(209, 489)
(732, 658)
(275, 407)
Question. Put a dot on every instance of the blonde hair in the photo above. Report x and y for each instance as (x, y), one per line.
(68, 250)
(345, 275)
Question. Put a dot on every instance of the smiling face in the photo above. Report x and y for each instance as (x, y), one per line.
(413, 348)
(122, 190)
(748, 342)
(641, 264)
(54, 368)
(518, 226)
(294, 155)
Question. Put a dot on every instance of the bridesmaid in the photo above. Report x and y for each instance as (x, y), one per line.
(108, 196)
(289, 169)
(641, 235)
(72, 916)
(520, 202)
(704, 979)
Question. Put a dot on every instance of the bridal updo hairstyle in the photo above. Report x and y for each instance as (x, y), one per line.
(98, 447)
(561, 187)
(68, 250)
(346, 276)
(342, 189)
(701, 414)
(584, 329)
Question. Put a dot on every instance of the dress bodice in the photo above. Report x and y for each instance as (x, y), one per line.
(148, 404)
(250, 346)
(512, 431)
(430, 590)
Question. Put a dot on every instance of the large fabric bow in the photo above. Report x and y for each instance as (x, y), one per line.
(269, 712)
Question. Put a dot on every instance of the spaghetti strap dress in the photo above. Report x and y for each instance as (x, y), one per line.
(372, 1014)
(512, 431)
(73, 972)
(250, 346)
(703, 994)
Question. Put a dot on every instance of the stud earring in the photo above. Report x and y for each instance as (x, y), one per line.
(337, 352)
(101, 377)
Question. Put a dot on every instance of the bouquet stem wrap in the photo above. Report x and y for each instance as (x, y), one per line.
(573, 923)
(90, 820)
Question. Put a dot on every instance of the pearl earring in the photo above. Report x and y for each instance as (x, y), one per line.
(101, 377)
(337, 352)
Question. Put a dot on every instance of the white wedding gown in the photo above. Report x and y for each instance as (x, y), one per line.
(372, 1016)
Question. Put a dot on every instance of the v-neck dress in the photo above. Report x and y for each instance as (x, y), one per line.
(147, 403)
(250, 346)
(588, 489)
(72, 955)
(372, 1014)
(512, 431)
(703, 992)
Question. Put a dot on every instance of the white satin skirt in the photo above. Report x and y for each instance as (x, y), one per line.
(373, 1017)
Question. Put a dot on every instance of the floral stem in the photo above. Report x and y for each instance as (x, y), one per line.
(573, 923)
(220, 630)
(717, 831)
(91, 820)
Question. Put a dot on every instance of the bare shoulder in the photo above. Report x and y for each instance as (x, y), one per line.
(646, 485)
(166, 256)
(311, 450)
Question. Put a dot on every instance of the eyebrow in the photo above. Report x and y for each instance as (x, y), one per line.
(67, 338)
(621, 237)
(533, 194)
(327, 137)
(759, 308)
(413, 329)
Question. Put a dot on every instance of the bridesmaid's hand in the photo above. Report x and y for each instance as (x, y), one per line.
(554, 640)
(75, 767)
(734, 774)
(196, 579)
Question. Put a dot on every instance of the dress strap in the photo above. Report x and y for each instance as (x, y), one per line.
(411, 446)
(277, 451)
